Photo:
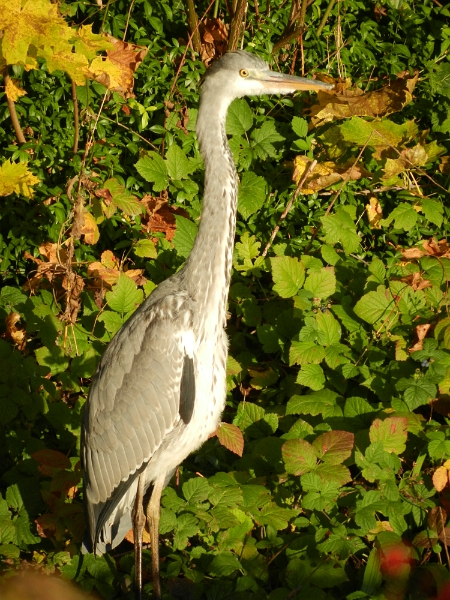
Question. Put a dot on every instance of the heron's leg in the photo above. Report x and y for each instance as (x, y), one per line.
(138, 527)
(153, 512)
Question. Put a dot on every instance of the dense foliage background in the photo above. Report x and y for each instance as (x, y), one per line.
(330, 479)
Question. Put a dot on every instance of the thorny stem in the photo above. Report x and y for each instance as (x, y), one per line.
(12, 111)
(75, 117)
(193, 26)
(300, 184)
(326, 14)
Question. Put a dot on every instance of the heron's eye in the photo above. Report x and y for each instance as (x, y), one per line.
(243, 73)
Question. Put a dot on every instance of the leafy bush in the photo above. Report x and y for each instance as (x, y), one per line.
(329, 476)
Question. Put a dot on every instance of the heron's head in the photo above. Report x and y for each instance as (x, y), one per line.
(240, 73)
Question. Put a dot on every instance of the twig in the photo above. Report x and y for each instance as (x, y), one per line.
(12, 111)
(289, 205)
(128, 20)
(193, 26)
(236, 24)
(286, 39)
(75, 117)
(136, 133)
(326, 14)
(303, 11)
(257, 13)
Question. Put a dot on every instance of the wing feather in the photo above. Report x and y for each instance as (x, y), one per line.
(134, 402)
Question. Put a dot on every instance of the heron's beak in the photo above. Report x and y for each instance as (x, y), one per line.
(274, 80)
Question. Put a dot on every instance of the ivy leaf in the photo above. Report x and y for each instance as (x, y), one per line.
(311, 376)
(321, 284)
(185, 235)
(288, 274)
(252, 194)
(231, 437)
(239, 117)
(154, 169)
(391, 433)
(299, 456)
(124, 296)
(333, 447)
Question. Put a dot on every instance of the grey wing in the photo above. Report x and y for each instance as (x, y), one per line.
(144, 385)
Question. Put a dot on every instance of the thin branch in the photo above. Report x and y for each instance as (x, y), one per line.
(76, 120)
(136, 133)
(128, 20)
(303, 12)
(12, 111)
(236, 24)
(326, 14)
(193, 26)
(289, 205)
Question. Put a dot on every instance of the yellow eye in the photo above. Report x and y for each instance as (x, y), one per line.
(243, 73)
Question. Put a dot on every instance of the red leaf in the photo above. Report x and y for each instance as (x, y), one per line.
(334, 447)
(51, 459)
(231, 437)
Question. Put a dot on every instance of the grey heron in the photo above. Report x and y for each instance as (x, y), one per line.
(160, 387)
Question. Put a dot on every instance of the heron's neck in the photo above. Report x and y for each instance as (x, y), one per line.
(208, 267)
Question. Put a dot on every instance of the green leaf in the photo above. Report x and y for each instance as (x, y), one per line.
(224, 564)
(288, 275)
(275, 516)
(341, 228)
(124, 296)
(300, 126)
(145, 249)
(239, 117)
(53, 358)
(333, 447)
(178, 165)
(338, 475)
(263, 139)
(14, 497)
(433, 211)
(231, 437)
(312, 404)
(299, 456)
(329, 330)
(321, 284)
(329, 254)
(84, 366)
(404, 217)
(252, 194)
(372, 573)
(112, 320)
(311, 376)
(128, 203)
(154, 169)
(305, 353)
(392, 433)
(196, 490)
(185, 235)
(187, 526)
(420, 392)
(374, 306)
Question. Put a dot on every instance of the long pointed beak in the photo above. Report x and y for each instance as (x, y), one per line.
(274, 80)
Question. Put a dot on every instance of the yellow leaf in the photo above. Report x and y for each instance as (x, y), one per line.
(90, 229)
(440, 478)
(447, 465)
(325, 174)
(88, 43)
(75, 65)
(15, 177)
(374, 213)
(14, 91)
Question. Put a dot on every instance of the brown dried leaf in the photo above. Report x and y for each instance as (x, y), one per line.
(444, 536)
(421, 332)
(437, 517)
(440, 478)
(325, 174)
(160, 217)
(18, 335)
(145, 536)
(214, 39)
(444, 167)
(342, 102)
(412, 253)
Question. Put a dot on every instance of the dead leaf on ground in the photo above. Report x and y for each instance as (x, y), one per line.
(325, 174)
(421, 332)
(160, 216)
(343, 102)
(214, 39)
(374, 213)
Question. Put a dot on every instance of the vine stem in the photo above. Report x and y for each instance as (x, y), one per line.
(12, 111)
(76, 118)
(289, 205)
(326, 14)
